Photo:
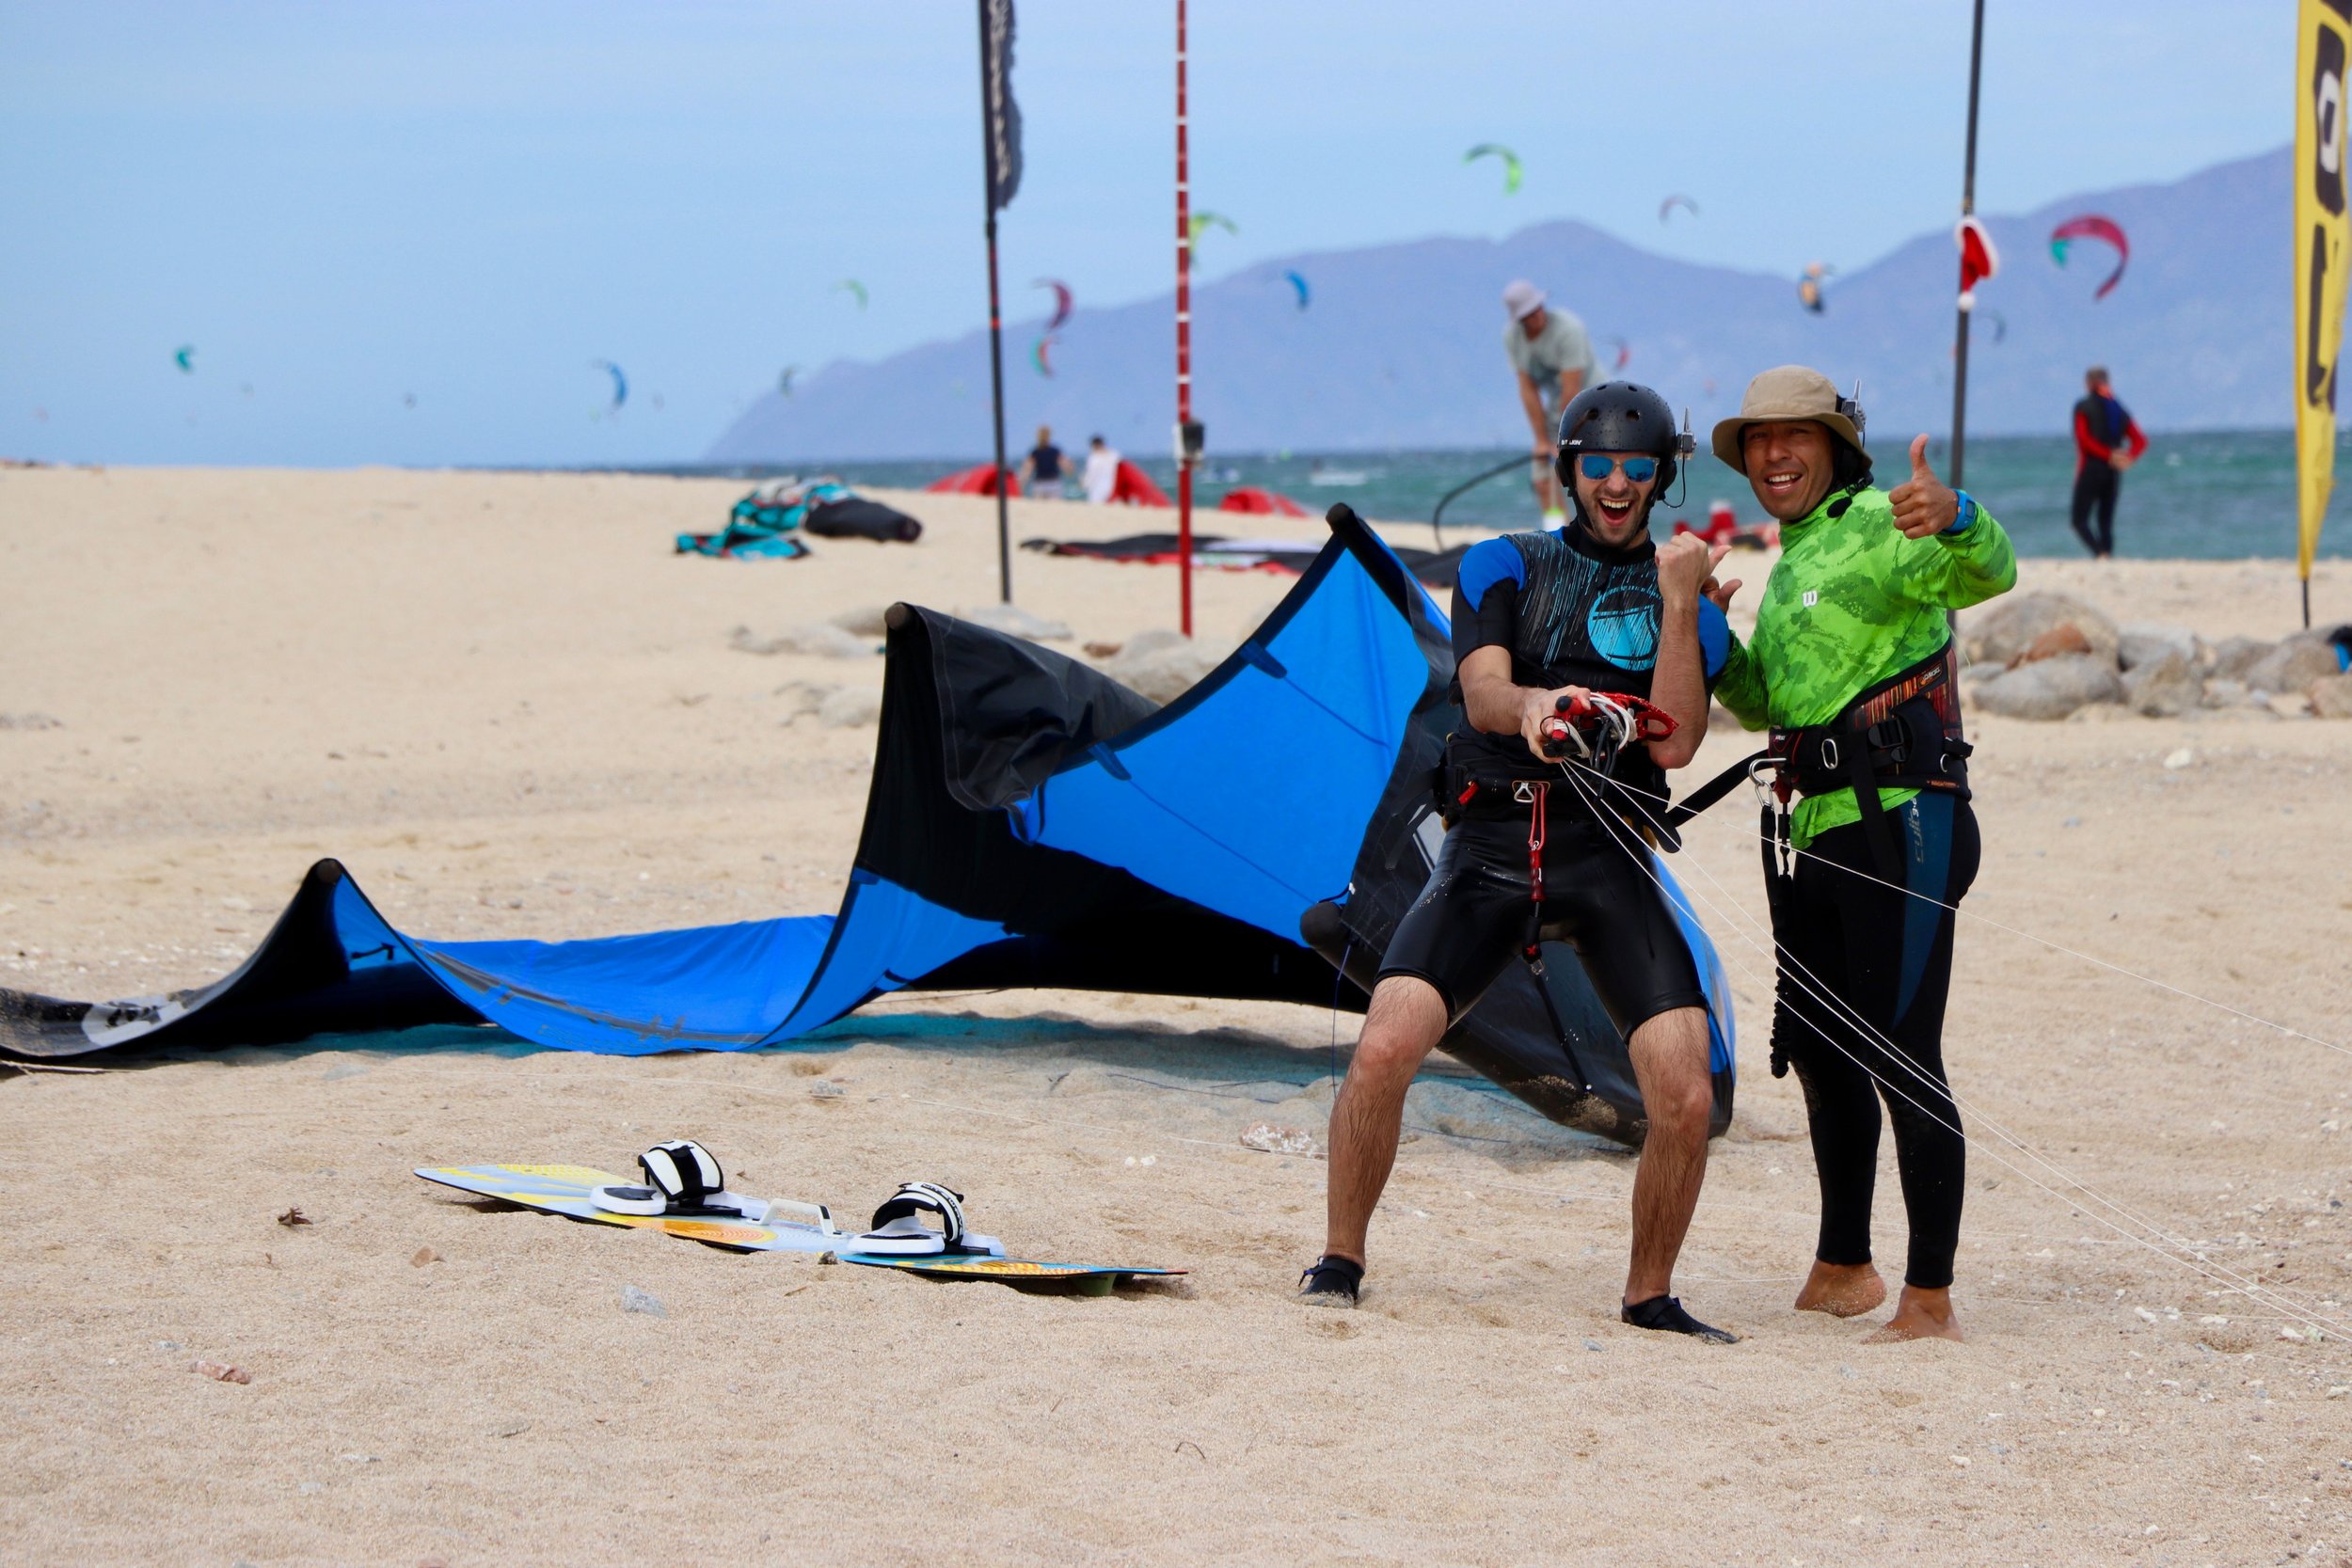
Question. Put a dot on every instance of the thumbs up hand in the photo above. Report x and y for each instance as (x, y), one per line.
(1924, 504)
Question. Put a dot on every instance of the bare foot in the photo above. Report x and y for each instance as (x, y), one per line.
(1918, 1315)
(1841, 1289)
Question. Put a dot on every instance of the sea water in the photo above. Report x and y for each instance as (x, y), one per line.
(2225, 495)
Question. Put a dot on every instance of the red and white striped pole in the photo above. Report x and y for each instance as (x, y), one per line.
(1183, 341)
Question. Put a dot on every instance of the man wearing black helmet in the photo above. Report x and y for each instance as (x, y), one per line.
(1539, 620)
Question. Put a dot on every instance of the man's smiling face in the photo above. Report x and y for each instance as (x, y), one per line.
(1789, 464)
(1617, 507)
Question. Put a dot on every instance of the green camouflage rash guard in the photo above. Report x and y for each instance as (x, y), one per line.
(1851, 603)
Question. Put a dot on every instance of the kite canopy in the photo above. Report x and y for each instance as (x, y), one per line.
(2090, 226)
(1671, 202)
(620, 382)
(1031, 823)
(1511, 166)
(979, 479)
(853, 287)
(1809, 292)
(1062, 301)
(1203, 222)
(1131, 486)
(1251, 499)
(1299, 285)
(1040, 354)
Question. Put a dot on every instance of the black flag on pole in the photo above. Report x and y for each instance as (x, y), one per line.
(1004, 115)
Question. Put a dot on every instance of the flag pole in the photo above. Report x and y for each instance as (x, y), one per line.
(1183, 344)
(1968, 208)
(996, 314)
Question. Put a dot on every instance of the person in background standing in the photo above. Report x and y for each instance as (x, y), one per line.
(2106, 442)
(1042, 470)
(1102, 472)
(1552, 358)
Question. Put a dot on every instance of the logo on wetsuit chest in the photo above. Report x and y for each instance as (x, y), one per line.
(1623, 626)
(1812, 598)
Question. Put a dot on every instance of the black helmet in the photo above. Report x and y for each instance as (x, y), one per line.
(1619, 416)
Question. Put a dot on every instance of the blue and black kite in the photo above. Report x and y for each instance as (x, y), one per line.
(1031, 823)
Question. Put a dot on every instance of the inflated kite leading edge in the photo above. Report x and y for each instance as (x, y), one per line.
(1031, 823)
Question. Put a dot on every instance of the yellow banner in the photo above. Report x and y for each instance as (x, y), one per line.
(2320, 230)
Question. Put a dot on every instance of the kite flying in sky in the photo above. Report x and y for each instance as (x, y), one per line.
(784, 381)
(1510, 161)
(1671, 202)
(855, 287)
(1040, 356)
(620, 382)
(1203, 222)
(185, 356)
(1062, 299)
(1298, 284)
(1625, 352)
(1809, 286)
(2090, 226)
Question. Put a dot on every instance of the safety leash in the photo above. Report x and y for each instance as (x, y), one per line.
(1540, 793)
(1536, 794)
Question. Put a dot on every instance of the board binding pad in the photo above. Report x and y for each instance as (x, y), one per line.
(565, 1190)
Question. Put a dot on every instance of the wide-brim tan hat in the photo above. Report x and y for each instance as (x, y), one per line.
(1785, 393)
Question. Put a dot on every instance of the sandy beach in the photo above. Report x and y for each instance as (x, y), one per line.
(510, 710)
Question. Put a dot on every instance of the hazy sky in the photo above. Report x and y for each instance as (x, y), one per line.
(343, 206)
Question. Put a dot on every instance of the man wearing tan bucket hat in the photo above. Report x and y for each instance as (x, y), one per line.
(1851, 665)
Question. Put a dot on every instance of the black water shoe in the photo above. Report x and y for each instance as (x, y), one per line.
(1665, 1314)
(1331, 1282)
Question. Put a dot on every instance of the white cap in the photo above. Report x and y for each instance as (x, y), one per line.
(1522, 298)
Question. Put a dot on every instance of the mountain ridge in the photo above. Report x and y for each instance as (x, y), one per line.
(1401, 345)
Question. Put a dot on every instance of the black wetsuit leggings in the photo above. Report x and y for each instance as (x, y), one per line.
(1888, 957)
(2096, 485)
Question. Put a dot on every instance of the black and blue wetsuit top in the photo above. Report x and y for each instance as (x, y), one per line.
(1572, 612)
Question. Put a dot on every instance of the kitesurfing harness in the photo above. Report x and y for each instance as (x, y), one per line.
(1592, 728)
(1905, 732)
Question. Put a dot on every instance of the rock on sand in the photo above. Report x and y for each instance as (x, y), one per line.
(2007, 628)
(2163, 686)
(2050, 688)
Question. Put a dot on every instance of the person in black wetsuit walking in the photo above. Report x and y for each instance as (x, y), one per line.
(1590, 607)
(2106, 442)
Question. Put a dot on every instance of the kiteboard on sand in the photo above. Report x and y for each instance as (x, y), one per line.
(804, 1228)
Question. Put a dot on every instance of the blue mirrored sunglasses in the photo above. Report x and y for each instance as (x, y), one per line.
(1640, 470)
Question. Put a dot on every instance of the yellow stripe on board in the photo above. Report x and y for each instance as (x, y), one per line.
(1002, 1268)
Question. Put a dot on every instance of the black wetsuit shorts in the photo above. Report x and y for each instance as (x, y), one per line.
(1470, 920)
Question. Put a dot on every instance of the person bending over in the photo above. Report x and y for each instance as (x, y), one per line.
(1592, 606)
(1853, 665)
(1552, 360)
